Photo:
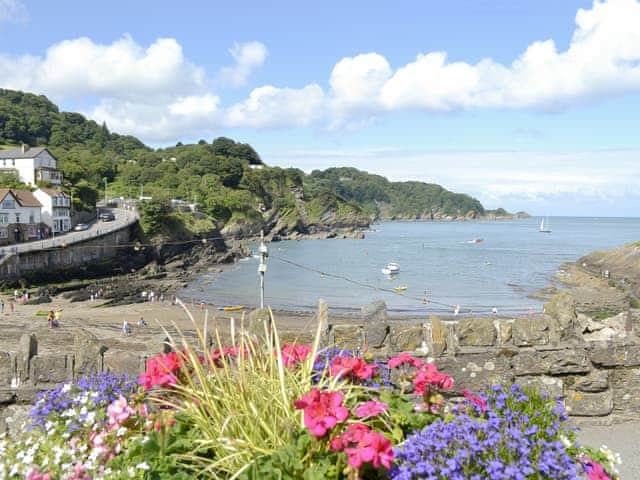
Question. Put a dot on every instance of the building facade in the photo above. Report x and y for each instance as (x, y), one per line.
(56, 209)
(32, 165)
(20, 217)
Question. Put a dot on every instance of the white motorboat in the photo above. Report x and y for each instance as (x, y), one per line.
(391, 269)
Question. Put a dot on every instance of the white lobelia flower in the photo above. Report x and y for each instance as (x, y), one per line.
(143, 466)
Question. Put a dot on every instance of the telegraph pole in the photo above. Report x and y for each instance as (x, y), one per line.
(262, 268)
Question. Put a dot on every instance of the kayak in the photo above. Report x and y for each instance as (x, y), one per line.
(236, 308)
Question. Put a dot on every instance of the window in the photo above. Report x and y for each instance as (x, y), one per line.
(4, 218)
(8, 203)
(4, 233)
(32, 218)
(17, 218)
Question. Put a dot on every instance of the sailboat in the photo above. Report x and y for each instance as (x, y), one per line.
(544, 227)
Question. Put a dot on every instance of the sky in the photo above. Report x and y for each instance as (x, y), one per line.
(526, 105)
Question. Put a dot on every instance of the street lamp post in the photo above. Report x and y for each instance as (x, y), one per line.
(105, 191)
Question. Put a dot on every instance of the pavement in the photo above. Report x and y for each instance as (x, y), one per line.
(622, 438)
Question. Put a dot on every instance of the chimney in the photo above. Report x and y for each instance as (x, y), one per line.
(24, 148)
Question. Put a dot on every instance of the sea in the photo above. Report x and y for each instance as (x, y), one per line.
(471, 267)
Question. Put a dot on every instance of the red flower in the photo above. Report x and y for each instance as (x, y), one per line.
(322, 410)
(371, 408)
(352, 367)
(372, 448)
(428, 375)
(160, 370)
(476, 400)
(294, 354)
(403, 358)
(354, 433)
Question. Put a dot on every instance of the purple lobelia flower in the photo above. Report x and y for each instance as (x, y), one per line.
(518, 437)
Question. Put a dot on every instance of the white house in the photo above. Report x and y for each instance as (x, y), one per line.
(32, 165)
(56, 208)
(20, 217)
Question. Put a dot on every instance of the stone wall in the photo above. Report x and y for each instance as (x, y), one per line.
(24, 371)
(77, 255)
(594, 366)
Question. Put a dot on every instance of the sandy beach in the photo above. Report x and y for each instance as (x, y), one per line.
(106, 322)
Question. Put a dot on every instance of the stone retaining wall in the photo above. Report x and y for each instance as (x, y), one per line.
(77, 255)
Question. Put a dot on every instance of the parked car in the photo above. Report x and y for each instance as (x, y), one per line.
(81, 227)
(107, 217)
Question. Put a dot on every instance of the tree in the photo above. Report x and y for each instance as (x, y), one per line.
(152, 215)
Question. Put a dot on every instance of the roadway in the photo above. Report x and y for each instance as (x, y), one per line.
(96, 229)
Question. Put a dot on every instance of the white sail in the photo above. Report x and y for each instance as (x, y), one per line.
(544, 226)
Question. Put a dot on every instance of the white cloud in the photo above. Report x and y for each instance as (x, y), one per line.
(123, 69)
(603, 59)
(156, 89)
(197, 106)
(12, 11)
(248, 58)
(278, 107)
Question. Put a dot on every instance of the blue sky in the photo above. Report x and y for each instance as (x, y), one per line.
(525, 105)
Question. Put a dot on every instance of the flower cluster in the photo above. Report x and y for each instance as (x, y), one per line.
(322, 410)
(363, 445)
(82, 401)
(497, 435)
(76, 429)
(293, 354)
(161, 370)
(326, 359)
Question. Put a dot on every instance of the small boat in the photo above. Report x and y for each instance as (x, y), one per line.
(544, 227)
(476, 240)
(401, 288)
(391, 269)
(235, 308)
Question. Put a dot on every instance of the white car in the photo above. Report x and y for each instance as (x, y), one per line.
(81, 227)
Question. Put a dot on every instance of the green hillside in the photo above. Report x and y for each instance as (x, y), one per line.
(220, 176)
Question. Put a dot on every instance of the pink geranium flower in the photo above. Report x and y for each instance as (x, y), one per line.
(354, 433)
(322, 410)
(371, 408)
(428, 375)
(352, 367)
(160, 370)
(404, 358)
(476, 400)
(294, 354)
(119, 411)
(372, 448)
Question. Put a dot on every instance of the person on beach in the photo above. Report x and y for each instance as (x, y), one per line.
(1, 306)
(50, 318)
(12, 306)
(126, 328)
(142, 322)
(56, 317)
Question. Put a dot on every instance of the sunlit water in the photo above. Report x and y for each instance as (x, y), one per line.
(438, 264)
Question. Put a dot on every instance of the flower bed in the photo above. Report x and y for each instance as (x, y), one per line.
(259, 409)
